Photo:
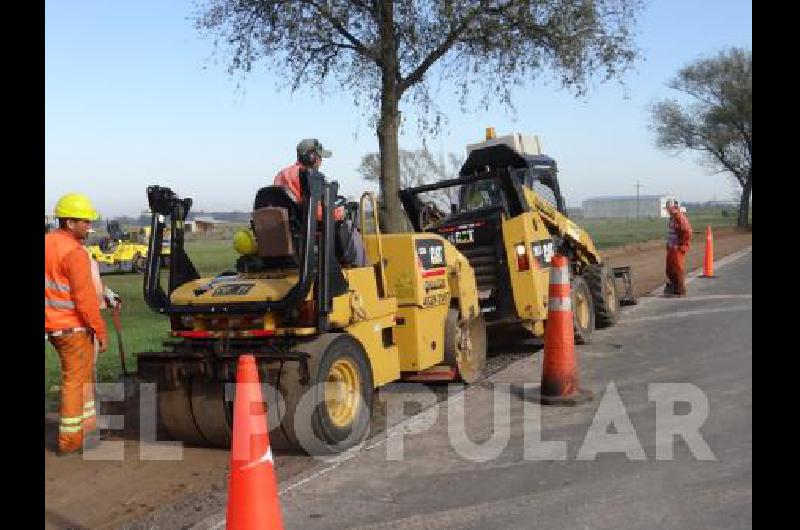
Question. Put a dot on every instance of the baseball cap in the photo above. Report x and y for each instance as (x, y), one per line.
(312, 144)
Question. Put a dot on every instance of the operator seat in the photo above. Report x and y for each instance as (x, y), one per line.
(276, 225)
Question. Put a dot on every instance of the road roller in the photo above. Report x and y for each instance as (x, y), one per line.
(328, 325)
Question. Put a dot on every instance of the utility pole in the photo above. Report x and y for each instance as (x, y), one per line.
(637, 186)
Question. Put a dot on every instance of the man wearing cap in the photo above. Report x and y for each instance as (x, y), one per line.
(309, 155)
(679, 237)
(72, 320)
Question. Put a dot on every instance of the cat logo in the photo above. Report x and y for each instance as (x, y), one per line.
(437, 255)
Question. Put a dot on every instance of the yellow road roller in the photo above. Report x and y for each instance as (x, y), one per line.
(326, 329)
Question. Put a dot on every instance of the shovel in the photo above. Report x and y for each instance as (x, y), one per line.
(128, 379)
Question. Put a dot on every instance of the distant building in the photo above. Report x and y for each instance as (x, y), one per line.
(202, 225)
(625, 207)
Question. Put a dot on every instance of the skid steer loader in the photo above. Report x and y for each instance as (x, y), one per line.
(325, 332)
(508, 217)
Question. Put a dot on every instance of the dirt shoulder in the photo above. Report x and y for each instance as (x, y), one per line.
(648, 259)
(109, 493)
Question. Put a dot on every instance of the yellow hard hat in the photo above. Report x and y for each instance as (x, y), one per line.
(76, 206)
(244, 242)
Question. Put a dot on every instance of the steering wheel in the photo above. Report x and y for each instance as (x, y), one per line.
(429, 215)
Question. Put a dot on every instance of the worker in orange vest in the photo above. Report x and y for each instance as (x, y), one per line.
(309, 156)
(72, 320)
(679, 237)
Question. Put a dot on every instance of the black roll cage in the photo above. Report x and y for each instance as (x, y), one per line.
(495, 162)
(164, 203)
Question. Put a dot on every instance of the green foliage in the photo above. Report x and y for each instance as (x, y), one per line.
(382, 49)
(717, 120)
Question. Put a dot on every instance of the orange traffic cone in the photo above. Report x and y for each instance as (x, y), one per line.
(252, 493)
(708, 265)
(560, 385)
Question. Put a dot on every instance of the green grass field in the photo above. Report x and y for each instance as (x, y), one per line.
(144, 330)
(614, 232)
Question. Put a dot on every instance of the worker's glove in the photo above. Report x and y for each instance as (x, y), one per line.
(112, 299)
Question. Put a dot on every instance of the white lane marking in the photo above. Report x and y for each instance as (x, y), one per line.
(378, 441)
(681, 314)
(691, 298)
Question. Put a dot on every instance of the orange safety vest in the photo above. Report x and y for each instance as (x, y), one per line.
(289, 178)
(59, 306)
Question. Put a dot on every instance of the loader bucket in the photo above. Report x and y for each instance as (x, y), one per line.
(626, 296)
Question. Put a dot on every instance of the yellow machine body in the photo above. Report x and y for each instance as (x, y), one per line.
(400, 325)
(123, 256)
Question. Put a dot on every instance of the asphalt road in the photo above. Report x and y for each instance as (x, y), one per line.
(618, 468)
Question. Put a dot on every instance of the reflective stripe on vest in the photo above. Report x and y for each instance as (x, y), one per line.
(70, 430)
(59, 304)
(71, 420)
(64, 288)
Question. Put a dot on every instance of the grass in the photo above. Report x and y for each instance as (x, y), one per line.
(614, 232)
(144, 330)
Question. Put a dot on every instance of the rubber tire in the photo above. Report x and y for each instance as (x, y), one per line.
(310, 430)
(583, 334)
(605, 314)
(478, 337)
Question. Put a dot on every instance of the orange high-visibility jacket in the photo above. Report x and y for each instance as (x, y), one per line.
(70, 298)
(679, 234)
(289, 178)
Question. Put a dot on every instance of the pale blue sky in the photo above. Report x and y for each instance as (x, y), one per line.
(134, 95)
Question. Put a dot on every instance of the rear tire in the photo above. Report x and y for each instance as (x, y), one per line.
(340, 385)
(469, 363)
(605, 297)
(582, 311)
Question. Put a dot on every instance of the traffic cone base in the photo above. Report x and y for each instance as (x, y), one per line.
(576, 398)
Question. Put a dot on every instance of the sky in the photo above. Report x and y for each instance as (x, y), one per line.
(135, 95)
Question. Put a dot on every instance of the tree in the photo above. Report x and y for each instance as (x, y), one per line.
(417, 167)
(717, 120)
(383, 50)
